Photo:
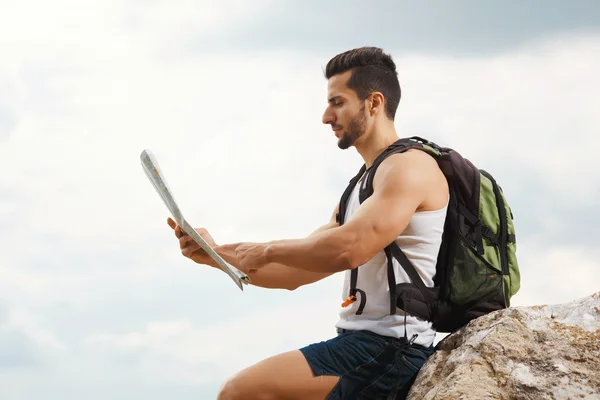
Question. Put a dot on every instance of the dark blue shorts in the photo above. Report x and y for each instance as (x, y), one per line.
(370, 366)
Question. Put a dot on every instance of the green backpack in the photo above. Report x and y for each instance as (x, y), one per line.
(477, 270)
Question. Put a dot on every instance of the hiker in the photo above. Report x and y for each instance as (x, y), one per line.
(377, 352)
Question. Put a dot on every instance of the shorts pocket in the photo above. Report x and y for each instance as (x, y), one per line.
(413, 359)
(384, 385)
(407, 363)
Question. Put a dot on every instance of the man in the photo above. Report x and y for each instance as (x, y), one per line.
(369, 358)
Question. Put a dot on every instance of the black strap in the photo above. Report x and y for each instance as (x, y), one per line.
(366, 190)
(487, 233)
(391, 280)
(410, 270)
(341, 215)
(391, 284)
(340, 218)
(353, 281)
(468, 215)
(398, 146)
(478, 239)
(480, 229)
(363, 299)
(354, 290)
(427, 142)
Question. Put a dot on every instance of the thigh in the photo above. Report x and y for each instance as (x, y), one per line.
(284, 376)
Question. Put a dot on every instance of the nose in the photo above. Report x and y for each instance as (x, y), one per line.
(328, 117)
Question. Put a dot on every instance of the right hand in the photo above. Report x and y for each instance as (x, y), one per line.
(191, 249)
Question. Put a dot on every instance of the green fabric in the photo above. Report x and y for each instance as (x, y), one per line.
(476, 276)
(471, 278)
(488, 214)
(512, 282)
(431, 150)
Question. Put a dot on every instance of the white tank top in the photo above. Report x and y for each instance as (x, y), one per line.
(421, 242)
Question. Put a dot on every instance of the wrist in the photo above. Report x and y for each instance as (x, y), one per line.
(270, 252)
(227, 253)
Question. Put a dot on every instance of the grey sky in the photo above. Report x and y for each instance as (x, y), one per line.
(16, 350)
(543, 212)
(462, 27)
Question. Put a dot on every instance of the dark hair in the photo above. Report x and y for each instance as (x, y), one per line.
(372, 70)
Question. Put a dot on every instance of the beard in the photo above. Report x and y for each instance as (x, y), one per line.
(356, 128)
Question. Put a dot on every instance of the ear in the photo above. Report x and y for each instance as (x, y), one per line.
(376, 103)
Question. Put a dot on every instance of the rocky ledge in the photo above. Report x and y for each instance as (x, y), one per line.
(537, 352)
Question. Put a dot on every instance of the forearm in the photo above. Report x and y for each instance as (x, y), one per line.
(272, 275)
(325, 252)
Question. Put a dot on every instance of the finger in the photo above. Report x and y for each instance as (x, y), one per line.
(179, 232)
(176, 228)
(188, 251)
(171, 223)
(186, 241)
(193, 251)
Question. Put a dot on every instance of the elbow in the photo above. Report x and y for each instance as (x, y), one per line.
(292, 286)
(351, 259)
(346, 248)
(352, 263)
(355, 257)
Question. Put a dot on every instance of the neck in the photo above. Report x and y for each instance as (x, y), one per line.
(376, 142)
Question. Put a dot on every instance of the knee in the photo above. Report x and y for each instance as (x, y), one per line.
(230, 390)
(236, 388)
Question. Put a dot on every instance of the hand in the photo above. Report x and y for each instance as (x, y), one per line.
(251, 256)
(191, 249)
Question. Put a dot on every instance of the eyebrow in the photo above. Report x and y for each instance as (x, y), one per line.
(333, 98)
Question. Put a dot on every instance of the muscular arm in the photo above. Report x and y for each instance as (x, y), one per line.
(276, 275)
(403, 184)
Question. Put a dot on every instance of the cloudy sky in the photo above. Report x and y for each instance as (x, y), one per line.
(96, 300)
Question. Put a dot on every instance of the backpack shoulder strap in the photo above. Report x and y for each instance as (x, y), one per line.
(393, 250)
(366, 189)
(399, 146)
(340, 218)
(341, 215)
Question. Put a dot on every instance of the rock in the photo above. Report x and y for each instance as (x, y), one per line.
(538, 352)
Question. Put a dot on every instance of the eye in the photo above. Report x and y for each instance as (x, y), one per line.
(338, 104)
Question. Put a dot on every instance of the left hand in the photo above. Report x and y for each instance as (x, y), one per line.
(251, 256)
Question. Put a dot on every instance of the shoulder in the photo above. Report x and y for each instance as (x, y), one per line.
(413, 173)
(413, 167)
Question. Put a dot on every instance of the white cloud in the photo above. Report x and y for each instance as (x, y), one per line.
(556, 275)
(25, 323)
(535, 105)
(92, 274)
(214, 351)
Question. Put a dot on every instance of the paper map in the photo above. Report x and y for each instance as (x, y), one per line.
(156, 177)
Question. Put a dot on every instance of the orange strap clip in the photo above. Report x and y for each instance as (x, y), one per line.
(348, 301)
